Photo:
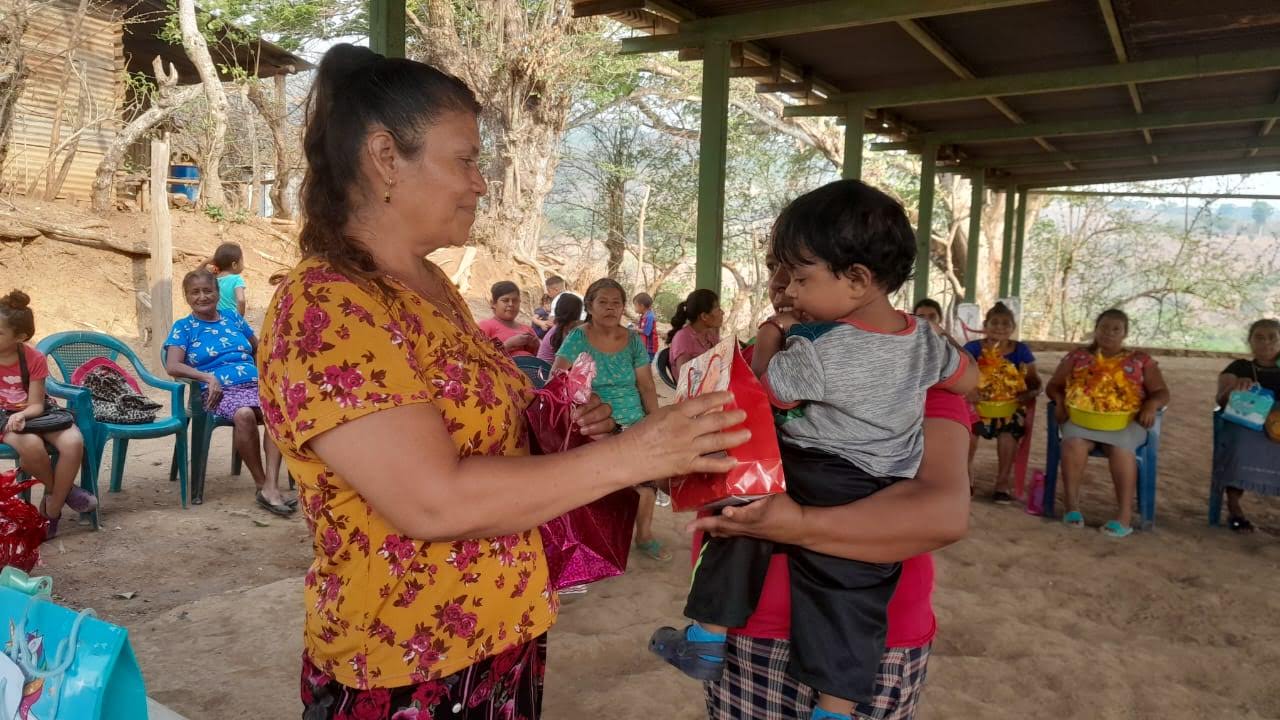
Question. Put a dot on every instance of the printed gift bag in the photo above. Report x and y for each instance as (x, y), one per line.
(62, 665)
(22, 529)
(759, 469)
(1250, 407)
(592, 542)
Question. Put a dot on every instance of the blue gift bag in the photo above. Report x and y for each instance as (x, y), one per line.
(1249, 407)
(73, 665)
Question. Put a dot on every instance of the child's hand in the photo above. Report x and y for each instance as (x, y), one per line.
(16, 423)
(786, 320)
(1060, 413)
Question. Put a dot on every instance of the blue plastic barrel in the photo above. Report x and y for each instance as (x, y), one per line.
(186, 172)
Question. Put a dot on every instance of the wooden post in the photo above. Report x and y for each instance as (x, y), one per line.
(852, 166)
(161, 270)
(924, 228)
(713, 144)
(975, 238)
(1020, 237)
(1006, 250)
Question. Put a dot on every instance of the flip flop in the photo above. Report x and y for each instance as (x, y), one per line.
(281, 510)
(1239, 524)
(1114, 529)
(1074, 519)
(653, 550)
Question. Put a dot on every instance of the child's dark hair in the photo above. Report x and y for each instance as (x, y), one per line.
(1264, 323)
(1108, 314)
(15, 311)
(568, 311)
(199, 274)
(1002, 310)
(930, 303)
(503, 287)
(598, 287)
(695, 306)
(847, 223)
(545, 299)
(644, 300)
(226, 255)
(554, 280)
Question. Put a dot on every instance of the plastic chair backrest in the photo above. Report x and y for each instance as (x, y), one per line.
(663, 364)
(539, 371)
(70, 350)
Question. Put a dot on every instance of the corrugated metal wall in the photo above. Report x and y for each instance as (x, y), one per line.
(100, 57)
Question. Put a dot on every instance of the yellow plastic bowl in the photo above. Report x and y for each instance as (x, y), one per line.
(1103, 421)
(997, 409)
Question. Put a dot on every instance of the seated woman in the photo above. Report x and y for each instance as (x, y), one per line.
(568, 316)
(1142, 377)
(1015, 378)
(695, 328)
(215, 348)
(517, 338)
(1246, 459)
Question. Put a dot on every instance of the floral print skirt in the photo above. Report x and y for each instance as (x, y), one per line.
(504, 687)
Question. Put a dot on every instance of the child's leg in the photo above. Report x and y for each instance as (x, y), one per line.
(34, 460)
(1006, 453)
(727, 581)
(832, 707)
(70, 446)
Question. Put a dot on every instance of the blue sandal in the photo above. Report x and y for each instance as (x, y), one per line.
(1074, 519)
(675, 647)
(1114, 529)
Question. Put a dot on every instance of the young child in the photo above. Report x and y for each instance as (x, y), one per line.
(643, 305)
(517, 338)
(542, 321)
(851, 385)
(228, 263)
(23, 371)
(568, 316)
(998, 327)
(623, 379)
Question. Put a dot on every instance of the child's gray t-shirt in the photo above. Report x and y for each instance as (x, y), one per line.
(859, 393)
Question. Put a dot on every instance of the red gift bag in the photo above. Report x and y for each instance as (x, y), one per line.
(759, 469)
(591, 542)
(22, 528)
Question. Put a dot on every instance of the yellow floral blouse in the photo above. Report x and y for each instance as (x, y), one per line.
(383, 609)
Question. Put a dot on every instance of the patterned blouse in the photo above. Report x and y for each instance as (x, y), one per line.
(384, 609)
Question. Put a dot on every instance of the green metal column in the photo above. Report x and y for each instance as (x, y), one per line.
(924, 229)
(1015, 287)
(386, 27)
(1006, 251)
(711, 162)
(975, 238)
(852, 168)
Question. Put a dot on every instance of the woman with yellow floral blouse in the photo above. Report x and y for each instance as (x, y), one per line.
(1108, 377)
(404, 424)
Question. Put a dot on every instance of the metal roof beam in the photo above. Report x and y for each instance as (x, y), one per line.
(1140, 173)
(1175, 195)
(1122, 56)
(800, 19)
(1215, 116)
(1158, 149)
(1178, 68)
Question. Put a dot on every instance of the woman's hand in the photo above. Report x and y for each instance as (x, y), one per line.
(213, 394)
(523, 341)
(1147, 415)
(1241, 385)
(1027, 397)
(688, 437)
(1061, 413)
(16, 423)
(595, 418)
(777, 518)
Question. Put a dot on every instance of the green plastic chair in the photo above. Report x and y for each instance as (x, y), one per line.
(70, 350)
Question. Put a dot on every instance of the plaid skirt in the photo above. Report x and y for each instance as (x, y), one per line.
(506, 686)
(756, 685)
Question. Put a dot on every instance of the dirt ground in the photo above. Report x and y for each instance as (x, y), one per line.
(1035, 619)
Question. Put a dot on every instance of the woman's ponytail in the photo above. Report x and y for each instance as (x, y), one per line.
(678, 320)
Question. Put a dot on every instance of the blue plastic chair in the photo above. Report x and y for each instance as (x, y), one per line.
(70, 350)
(663, 365)
(1147, 468)
(539, 371)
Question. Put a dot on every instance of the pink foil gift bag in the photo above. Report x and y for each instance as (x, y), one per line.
(591, 542)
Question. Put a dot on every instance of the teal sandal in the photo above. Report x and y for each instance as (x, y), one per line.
(1074, 519)
(653, 550)
(1114, 529)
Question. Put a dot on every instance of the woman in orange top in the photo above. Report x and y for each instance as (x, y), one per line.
(1143, 379)
(404, 424)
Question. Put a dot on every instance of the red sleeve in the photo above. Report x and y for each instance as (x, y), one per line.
(940, 404)
(960, 368)
(37, 364)
(773, 399)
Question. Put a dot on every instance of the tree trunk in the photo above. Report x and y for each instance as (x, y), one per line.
(51, 182)
(615, 231)
(644, 209)
(13, 71)
(272, 111)
(198, 51)
(167, 99)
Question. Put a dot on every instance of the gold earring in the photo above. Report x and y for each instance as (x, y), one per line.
(386, 197)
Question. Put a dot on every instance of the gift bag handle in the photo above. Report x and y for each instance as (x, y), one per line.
(20, 653)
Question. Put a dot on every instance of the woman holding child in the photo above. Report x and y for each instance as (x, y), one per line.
(1106, 371)
(404, 424)
(900, 523)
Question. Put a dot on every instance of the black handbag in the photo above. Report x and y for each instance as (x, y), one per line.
(54, 418)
